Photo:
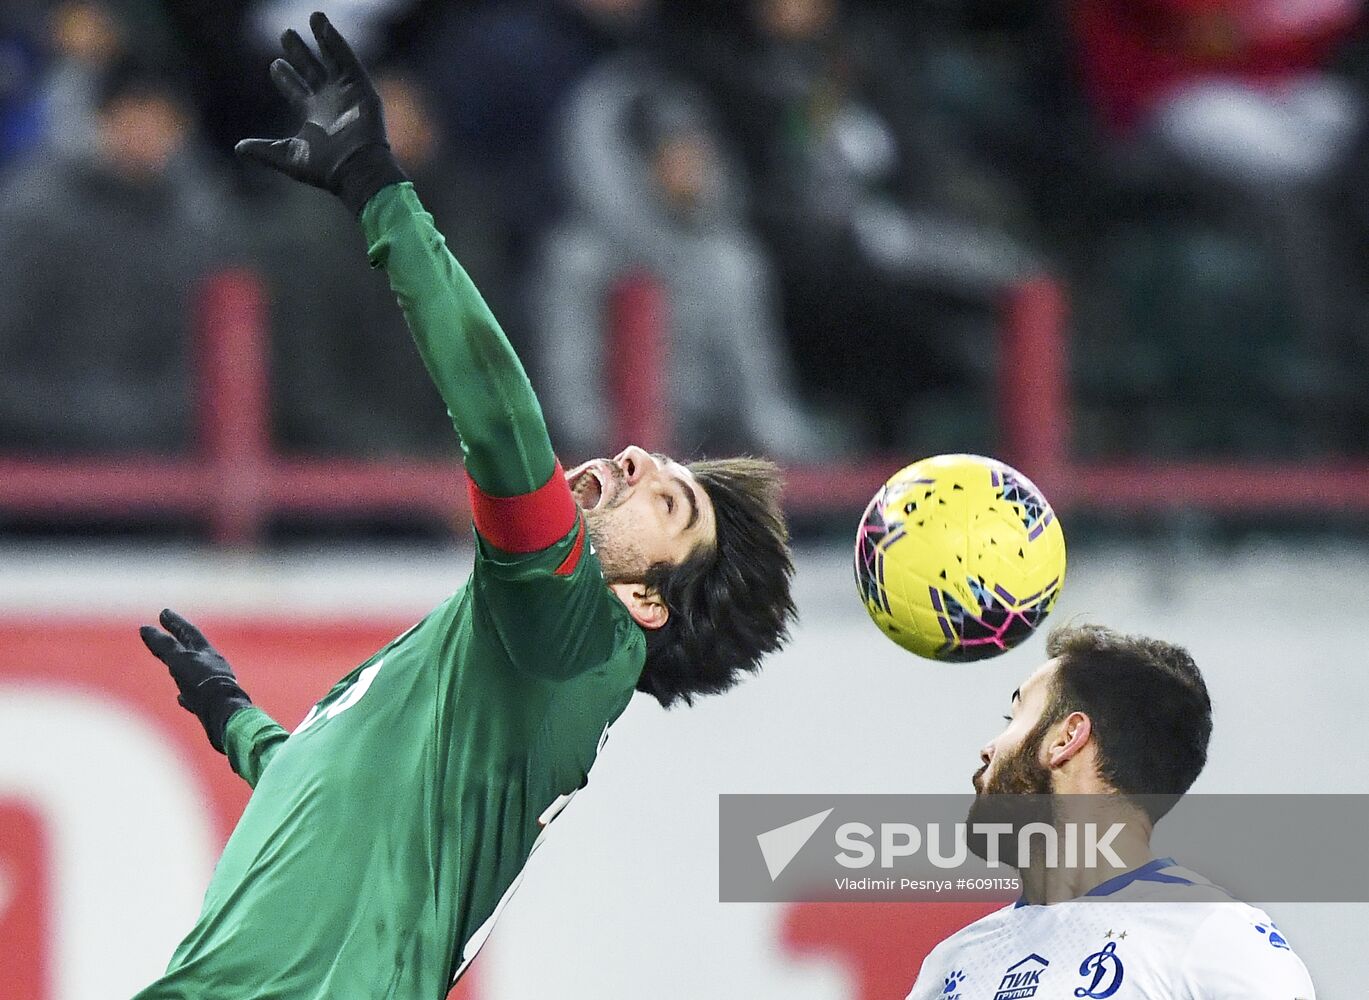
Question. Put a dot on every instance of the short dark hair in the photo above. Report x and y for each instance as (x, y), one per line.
(730, 602)
(1151, 714)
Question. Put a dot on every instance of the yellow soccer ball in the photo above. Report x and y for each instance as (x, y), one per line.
(959, 557)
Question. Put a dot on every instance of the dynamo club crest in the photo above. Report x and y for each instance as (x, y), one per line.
(1104, 970)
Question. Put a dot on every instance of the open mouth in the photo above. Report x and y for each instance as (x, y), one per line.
(587, 484)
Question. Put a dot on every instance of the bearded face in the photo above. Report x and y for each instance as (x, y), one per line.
(641, 510)
(1018, 770)
(1014, 788)
(612, 532)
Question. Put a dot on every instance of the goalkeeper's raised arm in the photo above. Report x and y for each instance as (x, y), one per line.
(342, 147)
(697, 554)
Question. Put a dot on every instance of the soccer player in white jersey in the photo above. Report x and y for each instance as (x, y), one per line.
(1109, 714)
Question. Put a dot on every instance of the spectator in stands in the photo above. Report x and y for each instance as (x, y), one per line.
(651, 191)
(1230, 109)
(500, 75)
(21, 64)
(78, 42)
(1236, 88)
(100, 255)
(85, 38)
(343, 384)
(881, 251)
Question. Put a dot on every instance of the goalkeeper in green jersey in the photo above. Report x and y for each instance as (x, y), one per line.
(384, 833)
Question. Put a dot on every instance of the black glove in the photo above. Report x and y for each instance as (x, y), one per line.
(341, 147)
(208, 685)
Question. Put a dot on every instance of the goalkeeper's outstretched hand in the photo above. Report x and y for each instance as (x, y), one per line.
(207, 683)
(342, 146)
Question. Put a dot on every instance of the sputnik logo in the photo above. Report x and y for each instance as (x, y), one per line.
(780, 845)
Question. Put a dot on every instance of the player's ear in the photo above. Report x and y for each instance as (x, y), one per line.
(1071, 736)
(643, 603)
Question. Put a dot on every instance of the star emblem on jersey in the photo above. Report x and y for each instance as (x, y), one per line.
(1022, 979)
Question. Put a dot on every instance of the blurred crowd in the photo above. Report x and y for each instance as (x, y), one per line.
(832, 195)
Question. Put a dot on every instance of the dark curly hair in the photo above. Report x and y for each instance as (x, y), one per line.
(1149, 706)
(730, 603)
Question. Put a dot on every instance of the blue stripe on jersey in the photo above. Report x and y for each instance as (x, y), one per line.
(1148, 872)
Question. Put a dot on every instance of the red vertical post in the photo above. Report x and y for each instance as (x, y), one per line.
(234, 404)
(1034, 383)
(26, 901)
(638, 355)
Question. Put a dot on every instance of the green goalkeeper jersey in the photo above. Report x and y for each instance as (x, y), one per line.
(384, 833)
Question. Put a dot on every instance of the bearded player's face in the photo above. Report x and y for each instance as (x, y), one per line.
(1014, 782)
(641, 509)
(1013, 761)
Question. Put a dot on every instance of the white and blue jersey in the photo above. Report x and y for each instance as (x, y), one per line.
(1158, 932)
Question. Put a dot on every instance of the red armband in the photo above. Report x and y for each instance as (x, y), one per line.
(527, 523)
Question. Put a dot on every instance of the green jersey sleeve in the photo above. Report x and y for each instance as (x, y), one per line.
(487, 392)
(251, 739)
(537, 585)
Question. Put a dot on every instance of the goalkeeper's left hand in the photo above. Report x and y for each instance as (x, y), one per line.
(208, 686)
(342, 146)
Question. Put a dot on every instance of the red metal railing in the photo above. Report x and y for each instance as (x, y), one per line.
(1035, 422)
(235, 481)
